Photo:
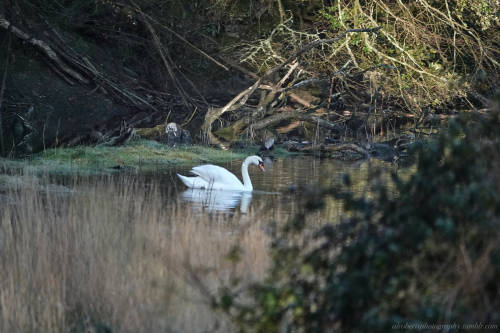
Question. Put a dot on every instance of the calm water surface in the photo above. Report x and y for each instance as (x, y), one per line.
(279, 187)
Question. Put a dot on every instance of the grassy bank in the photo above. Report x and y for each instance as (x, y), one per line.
(140, 156)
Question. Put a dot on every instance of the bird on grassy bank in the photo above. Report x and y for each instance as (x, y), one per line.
(214, 177)
(267, 145)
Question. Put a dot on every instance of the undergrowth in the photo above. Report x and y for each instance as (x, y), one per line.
(429, 255)
(428, 56)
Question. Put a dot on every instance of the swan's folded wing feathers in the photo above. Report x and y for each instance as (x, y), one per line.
(215, 174)
(193, 182)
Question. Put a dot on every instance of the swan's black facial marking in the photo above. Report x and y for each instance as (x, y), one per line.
(261, 166)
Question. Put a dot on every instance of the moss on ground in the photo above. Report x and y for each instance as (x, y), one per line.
(139, 156)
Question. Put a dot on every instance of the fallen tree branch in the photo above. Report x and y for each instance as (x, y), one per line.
(234, 104)
(343, 147)
(231, 132)
(45, 49)
(346, 146)
(60, 62)
(274, 90)
(316, 80)
(300, 100)
(242, 97)
(296, 115)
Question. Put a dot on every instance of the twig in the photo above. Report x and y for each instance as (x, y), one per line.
(151, 19)
(316, 43)
(316, 80)
(190, 118)
(164, 55)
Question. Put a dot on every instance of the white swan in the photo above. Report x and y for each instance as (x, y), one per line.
(217, 178)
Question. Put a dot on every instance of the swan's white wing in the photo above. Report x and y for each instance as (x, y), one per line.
(214, 174)
(194, 182)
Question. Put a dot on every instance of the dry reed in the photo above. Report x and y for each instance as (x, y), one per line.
(113, 253)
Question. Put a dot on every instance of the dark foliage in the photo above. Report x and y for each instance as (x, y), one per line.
(428, 255)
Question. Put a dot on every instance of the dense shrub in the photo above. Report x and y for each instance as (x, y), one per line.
(429, 254)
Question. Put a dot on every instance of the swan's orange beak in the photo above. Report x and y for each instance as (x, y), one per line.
(261, 166)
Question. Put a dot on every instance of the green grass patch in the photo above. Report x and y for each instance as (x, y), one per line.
(139, 156)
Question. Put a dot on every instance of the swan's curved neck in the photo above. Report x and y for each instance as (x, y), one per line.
(247, 183)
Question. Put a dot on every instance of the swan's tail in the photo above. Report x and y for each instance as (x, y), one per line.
(188, 181)
(193, 182)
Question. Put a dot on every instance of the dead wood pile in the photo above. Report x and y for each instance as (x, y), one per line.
(271, 109)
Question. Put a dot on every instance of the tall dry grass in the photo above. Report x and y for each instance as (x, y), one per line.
(113, 254)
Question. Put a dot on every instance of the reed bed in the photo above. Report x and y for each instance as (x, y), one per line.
(118, 254)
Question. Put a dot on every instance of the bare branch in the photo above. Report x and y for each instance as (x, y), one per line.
(45, 49)
(241, 98)
(317, 43)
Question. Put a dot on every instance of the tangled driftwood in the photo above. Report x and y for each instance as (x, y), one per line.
(263, 115)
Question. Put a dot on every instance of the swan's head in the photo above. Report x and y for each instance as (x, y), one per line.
(257, 160)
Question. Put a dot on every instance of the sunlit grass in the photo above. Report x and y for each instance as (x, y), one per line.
(118, 254)
(139, 155)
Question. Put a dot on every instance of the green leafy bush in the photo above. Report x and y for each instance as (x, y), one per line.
(427, 255)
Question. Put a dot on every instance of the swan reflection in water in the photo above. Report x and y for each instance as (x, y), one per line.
(214, 200)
